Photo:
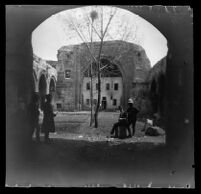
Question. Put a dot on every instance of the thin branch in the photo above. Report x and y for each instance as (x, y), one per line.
(111, 16)
(102, 22)
(80, 35)
(103, 67)
(93, 27)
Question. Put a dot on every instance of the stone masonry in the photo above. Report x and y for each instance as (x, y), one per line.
(73, 61)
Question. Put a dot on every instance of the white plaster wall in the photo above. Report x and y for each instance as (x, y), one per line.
(104, 93)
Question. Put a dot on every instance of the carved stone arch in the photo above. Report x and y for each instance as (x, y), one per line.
(52, 84)
(42, 88)
(42, 84)
(52, 89)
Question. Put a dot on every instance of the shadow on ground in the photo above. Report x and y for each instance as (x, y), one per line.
(80, 163)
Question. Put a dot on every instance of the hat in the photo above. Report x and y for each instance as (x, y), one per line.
(130, 101)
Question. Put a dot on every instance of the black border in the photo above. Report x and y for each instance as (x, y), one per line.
(197, 96)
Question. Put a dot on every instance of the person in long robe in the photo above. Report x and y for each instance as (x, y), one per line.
(48, 124)
(34, 113)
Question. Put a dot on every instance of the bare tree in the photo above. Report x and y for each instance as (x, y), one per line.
(80, 29)
(101, 36)
(94, 25)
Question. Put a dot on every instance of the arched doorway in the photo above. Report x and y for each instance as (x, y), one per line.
(42, 88)
(52, 89)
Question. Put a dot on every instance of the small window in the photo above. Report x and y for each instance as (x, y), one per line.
(67, 74)
(96, 86)
(87, 101)
(114, 102)
(139, 54)
(116, 86)
(104, 98)
(107, 86)
(67, 55)
(58, 105)
(88, 86)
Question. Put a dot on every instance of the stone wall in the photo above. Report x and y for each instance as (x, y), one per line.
(130, 58)
(156, 79)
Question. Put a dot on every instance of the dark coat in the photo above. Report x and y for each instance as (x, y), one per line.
(48, 119)
(132, 114)
(33, 114)
(123, 119)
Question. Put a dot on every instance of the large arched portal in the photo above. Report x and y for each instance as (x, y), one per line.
(75, 59)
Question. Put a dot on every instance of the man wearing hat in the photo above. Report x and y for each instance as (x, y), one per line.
(132, 115)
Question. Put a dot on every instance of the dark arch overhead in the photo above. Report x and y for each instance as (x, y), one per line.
(176, 24)
(153, 86)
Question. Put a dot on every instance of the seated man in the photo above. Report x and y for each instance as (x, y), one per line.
(122, 122)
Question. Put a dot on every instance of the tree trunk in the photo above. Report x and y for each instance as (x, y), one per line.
(99, 96)
(91, 70)
(91, 97)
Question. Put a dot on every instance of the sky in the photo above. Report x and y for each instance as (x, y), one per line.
(56, 31)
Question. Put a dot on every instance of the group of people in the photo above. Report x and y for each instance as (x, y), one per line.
(126, 119)
(48, 124)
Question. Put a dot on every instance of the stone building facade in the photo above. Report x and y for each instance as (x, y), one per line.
(156, 80)
(111, 92)
(74, 60)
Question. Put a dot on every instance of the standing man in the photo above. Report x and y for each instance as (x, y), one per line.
(132, 115)
(48, 124)
(34, 116)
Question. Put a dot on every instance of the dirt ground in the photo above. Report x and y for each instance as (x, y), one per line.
(76, 126)
(80, 156)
